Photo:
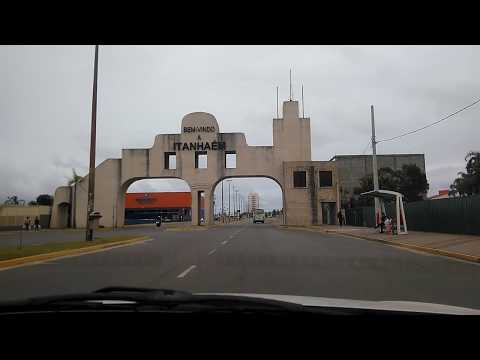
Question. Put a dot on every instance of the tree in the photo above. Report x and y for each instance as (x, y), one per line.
(413, 183)
(45, 199)
(468, 183)
(409, 181)
(32, 203)
(75, 178)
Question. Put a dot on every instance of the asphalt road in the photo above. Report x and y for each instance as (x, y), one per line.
(257, 258)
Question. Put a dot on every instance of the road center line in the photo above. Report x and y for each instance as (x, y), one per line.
(183, 274)
(224, 242)
(211, 252)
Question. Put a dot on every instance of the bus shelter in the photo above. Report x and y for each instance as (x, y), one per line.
(388, 195)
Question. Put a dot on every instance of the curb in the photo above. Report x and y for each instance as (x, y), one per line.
(56, 254)
(414, 247)
(461, 256)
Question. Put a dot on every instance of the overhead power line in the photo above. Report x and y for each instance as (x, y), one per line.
(434, 123)
(366, 147)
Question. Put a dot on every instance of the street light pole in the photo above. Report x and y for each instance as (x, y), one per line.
(93, 132)
(223, 212)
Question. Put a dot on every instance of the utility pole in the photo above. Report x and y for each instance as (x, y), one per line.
(93, 131)
(374, 167)
(223, 212)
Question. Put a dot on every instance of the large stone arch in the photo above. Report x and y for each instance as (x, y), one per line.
(200, 132)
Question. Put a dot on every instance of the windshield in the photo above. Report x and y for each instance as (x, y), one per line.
(354, 175)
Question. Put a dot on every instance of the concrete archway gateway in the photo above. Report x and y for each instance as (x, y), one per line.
(288, 162)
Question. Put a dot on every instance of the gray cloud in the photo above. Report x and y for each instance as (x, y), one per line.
(45, 102)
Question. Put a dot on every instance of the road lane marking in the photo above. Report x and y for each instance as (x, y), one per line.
(183, 274)
(224, 242)
(211, 252)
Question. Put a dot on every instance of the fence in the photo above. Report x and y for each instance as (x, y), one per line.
(452, 215)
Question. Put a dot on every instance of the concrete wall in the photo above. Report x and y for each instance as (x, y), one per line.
(351, 168)
(291, 127)
(303, 205)
(14, 216)
(107, 194)
(60, 207)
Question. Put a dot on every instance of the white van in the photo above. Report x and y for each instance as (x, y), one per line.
(259, 216)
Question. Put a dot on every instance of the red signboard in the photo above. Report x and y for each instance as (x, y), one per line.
(158, 200)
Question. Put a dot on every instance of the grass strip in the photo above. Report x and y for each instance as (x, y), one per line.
(13, 252)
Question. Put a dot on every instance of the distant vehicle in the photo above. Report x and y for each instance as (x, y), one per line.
(259, 216)
(158, 221)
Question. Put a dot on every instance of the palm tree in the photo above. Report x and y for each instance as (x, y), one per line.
(75, 178)
(468, 183)
(473, 162)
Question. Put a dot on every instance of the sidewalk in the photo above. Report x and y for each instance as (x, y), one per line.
(466, 247)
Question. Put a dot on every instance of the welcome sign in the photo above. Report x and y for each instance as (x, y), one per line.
(199, 146)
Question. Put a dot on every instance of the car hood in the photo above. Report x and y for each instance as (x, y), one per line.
(409, 306)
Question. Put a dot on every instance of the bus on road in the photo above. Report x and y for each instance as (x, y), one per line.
(259, 216)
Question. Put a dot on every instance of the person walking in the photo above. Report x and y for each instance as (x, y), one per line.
(37, 223)
(340, 218)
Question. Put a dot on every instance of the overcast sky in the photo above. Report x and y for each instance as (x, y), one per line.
(45, 104)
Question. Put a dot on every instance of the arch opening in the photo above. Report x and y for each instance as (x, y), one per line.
(146, 199)
(243, 195)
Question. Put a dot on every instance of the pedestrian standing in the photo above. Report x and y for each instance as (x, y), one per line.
(340, 218)
(382, 223)
(27, 223)
(37, 223)
(388, 225)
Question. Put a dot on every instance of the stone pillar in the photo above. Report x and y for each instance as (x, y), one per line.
(120, 209)
(195, 206)
(209, 212)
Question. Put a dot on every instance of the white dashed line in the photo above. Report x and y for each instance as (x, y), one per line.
(211, 252)
(183, 274)
(224, 242)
